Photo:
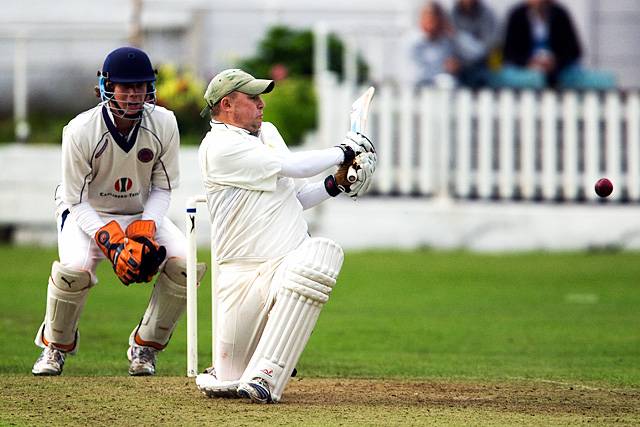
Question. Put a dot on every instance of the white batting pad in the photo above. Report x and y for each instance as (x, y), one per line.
(66, 295)
(168, 302)
(311, 273)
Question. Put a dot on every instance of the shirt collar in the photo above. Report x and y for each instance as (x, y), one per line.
(215, 124)
(126, 142)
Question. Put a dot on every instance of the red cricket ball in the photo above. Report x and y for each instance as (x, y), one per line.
(603, 187)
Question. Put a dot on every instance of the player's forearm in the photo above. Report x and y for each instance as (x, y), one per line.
(312, 194)
(157, 205)
(87, 218)
(305, 164)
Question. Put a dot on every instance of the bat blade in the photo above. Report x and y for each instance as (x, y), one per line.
(360, 110)
(358, 118)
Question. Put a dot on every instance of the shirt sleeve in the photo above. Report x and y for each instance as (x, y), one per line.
(166, 170)
(87, 218)
(305, 164)
(76, 169)
(157, 205)
(312, 194)
(299, 164)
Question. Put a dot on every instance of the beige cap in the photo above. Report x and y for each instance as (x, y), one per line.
(232, 80)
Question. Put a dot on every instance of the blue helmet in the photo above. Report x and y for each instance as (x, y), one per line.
(126, 65)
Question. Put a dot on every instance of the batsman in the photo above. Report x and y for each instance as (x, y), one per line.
(119, 166)
(272, 279)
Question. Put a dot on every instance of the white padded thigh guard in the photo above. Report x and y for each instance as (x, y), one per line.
(168, 302)
(66, 295)
(311, 272)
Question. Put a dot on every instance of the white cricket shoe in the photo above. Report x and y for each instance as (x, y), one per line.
(257, 390)
(142, 360)
(209, 384)
(50, 362)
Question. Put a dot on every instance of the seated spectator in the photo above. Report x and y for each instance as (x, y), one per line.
(432, 51)
(476, 35)
(541, 48)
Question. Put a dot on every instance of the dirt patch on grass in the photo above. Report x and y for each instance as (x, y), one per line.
(176, 401)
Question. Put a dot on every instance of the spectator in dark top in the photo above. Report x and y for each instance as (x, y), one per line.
(476, 35)
(541, 48)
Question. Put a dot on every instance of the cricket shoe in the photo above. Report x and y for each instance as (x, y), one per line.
(142, 360)
(50, 362)
(209, 384)
(257, 390)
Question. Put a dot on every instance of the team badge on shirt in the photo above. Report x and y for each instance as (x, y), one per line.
(145, 155)
(123, 185)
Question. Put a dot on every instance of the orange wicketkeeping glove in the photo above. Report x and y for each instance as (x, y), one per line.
(125, 254)
(144, 231)
(142, 228)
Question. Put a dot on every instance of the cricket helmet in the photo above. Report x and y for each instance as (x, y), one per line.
(126, 65)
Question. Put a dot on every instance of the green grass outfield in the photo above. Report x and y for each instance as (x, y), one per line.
(571, 317)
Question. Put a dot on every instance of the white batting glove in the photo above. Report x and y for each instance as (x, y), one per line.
(367, 166)
(355, 143)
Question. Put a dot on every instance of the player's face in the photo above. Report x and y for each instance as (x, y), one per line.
(130, 96)
(246, 111)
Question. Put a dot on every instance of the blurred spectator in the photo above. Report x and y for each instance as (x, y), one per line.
(541, 48)
(432, 51)
(476, 36)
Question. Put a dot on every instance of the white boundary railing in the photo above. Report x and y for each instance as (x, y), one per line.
(504, 145)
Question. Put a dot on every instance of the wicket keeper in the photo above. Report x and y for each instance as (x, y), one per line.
(119, 166)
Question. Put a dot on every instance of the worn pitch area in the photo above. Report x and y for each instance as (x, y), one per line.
(175, 401)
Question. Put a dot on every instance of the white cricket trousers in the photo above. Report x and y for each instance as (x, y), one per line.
(245, 293)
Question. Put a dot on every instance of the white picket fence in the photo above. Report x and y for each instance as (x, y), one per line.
(540, 146)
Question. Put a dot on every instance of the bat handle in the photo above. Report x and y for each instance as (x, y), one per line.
(352, 176)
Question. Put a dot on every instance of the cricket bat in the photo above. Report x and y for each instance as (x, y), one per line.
(358, 118)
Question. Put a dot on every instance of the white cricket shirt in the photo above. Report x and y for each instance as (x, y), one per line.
(114, 173)
(254, 212)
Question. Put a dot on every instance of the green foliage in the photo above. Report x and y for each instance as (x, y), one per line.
(294, 50)
(292, 107)
(45, 127)
(7, 128)
(444, 315)
(286, 55)
(181, 92)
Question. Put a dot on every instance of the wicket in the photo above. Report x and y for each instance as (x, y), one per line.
(192, 288)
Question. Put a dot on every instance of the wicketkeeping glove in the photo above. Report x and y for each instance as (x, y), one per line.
(141, 228)
(125, 255)
(143, 232)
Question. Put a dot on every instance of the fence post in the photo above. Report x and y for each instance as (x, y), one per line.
(20, 93)
(444, 142)
(386, 177)
(591, 144)
(633, 144)
(570, 146)
(613, 167)
(527, 143)
(485, 115)
(322, 83)
(549, 144)
(506, 130)
(407, 131)
(428, 141)
(464, 108)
